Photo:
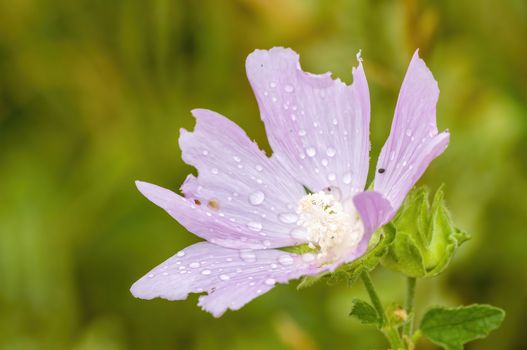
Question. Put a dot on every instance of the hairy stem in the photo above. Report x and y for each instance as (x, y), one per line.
(409, 305)
(389, 331)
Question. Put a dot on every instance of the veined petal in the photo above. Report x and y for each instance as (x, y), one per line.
(241, 198)
(414, 140)
(231, 278)
(318, 127)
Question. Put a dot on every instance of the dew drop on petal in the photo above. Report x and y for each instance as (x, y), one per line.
(270, 281)
(254, 226)
(311, 152)
(180, 254)
(194, 265)
(259, 168)
(206, 272)
(289, 88)
(299, 233)
(288, 218)
(332, 176)
(346, 178)
(331, 152)
(224, 277)
(214, 171)
(272, 84)
(285, 260)
(302, 132)
(237, 159)
(308, 257)
(248, 256)
(150, 275)
(205, 152)
(256, 198)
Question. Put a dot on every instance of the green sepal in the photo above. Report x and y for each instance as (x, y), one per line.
(350, 272)
(451, 328)
(425, 238)
(299, 249)
(364, 312)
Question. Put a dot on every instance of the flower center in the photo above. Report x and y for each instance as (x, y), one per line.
(333, 227)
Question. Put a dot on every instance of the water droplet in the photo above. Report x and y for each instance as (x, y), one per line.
(194, 265)
(331, 152)
(150, 275)
(255, 226)
(180, 254)
(332, 176)
(288, 218)
(267, 243)
(274, 266)
(285, 260)
(335, 121)
(259, 168)
(206, 272)
(274, 99)
(272, 84)
(237, 159)
(165, 273)
(324, 162)
(248, 256)
(214, 171)
(308, 257)
(311, 152)
(256, 198)
(224, 277)
(409, 132)
(346, 178)
(334, 191)
(205, 152)
(289, 88)
(299, 233)
(270, 281)
(302, 132)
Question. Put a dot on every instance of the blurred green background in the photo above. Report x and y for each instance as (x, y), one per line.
(92, 96)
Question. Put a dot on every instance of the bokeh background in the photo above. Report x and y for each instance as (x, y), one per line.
(92, 96)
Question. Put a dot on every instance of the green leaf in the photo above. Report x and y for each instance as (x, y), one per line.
(452, 327)
(349, 273)
(425, 239)
(364, 312)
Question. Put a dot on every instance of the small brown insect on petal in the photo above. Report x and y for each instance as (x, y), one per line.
(213, 204)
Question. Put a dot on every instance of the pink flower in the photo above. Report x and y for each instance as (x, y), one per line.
(246, 205)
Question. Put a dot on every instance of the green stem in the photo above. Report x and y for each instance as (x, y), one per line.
(410, 297)
(389, 331)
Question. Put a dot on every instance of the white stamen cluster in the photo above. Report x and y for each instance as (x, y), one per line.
(333, 228)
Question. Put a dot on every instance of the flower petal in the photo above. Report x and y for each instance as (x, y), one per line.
(231, 278)
(375, 211)
(241, 198)
(414, 141)
(318, 127)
